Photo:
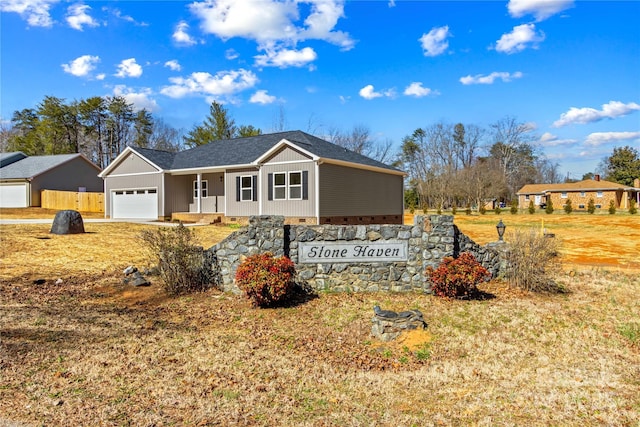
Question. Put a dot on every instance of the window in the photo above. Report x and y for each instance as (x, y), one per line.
(295, 185)
(246, 188)
(580, 206)
(582, 194)
(563, 195)
(598, 206)
(279, 186)
(526, 197)
(205, 192)
(599, 194)
(288, 185)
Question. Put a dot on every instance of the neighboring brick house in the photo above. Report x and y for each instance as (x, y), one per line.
(602, 192)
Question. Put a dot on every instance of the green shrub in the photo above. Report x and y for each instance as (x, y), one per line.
(497, 210)
(266, 280)
(612, 207)
(591, 206)
(514, 207)
(568, 207)
(454, 210)
(184, 266)
(632, 207)
(532, 261)
(549, 208)
(457, 277)
(532, 207)
(468, 210)
(482, 210)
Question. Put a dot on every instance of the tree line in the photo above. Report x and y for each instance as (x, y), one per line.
(448, 164)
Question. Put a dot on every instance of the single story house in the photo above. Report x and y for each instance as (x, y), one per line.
(294, 174)
(602, 192)
(22, 177)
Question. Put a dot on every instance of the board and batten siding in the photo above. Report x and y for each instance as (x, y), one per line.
(134, 182)
(236, 208)
(84, 175)
(177, 193)
(289, 208)
(348, 191)
(131, 164)
(287, 154)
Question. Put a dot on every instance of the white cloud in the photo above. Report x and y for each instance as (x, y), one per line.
(549, 140)
(77, 16)
(416, 89)
(129, 68)
(391, 3)
(231, 54)
(519, 39)
(540, 9)
(589, 115)
(344, 99)
(173, 65)
(140, 99)
(435, 41)
(223, 83)
(261, 97)
(489, 79)
(118, 14)
(599, 138)
(36, 12)
(81, 66)
(272, 22)
(368, 92)
(101, 76)
(181, 36)
(286, 58)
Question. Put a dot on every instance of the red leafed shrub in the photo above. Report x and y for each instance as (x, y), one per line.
(266, 280)
(457, 277)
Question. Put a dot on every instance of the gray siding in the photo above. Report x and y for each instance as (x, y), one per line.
(348, 191)
(287, 154)
(289, 208)
(134, 182)
(132, 163)
(233, 207)
(69, 176)
(177, 193)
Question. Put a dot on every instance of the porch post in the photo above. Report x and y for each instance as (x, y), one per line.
(199, 185)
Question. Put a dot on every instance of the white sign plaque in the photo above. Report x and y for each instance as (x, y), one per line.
(329, 252)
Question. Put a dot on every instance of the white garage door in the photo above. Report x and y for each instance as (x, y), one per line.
(13, 196)
(138, 204)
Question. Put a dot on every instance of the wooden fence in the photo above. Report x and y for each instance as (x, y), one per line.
(83, 202)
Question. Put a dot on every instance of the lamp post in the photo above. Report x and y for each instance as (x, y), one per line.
(500, 227)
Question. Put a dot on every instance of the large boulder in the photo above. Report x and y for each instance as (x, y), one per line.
(67, 222)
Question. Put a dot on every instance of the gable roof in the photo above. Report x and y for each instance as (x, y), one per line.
(585, 185)
(250, 150)
(8, 158)
(30, 167)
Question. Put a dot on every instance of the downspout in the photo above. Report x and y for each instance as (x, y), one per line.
(317, 191)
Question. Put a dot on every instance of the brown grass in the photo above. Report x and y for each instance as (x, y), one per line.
(92, 351)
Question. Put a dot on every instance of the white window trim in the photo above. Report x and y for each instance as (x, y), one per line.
(205, 189)
(278, 186)
(290, 186)
(599, 194)
(250, 188)
(564, 195)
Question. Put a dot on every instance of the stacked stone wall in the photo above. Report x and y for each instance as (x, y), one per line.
(428, 241)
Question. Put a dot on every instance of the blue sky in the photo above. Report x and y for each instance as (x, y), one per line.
(569, 69)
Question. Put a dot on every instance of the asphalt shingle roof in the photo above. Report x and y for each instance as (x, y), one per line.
(30, 167)
(587, 184)
(8, 158)
(242, 151)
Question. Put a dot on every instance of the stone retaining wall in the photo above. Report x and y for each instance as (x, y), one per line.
(428, 240)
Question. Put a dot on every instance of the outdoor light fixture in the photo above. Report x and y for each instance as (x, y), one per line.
(500, 227)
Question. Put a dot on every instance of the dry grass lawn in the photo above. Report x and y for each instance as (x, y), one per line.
(93, 351)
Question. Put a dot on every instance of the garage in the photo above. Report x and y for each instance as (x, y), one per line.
(135, 204)
(14, 195)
